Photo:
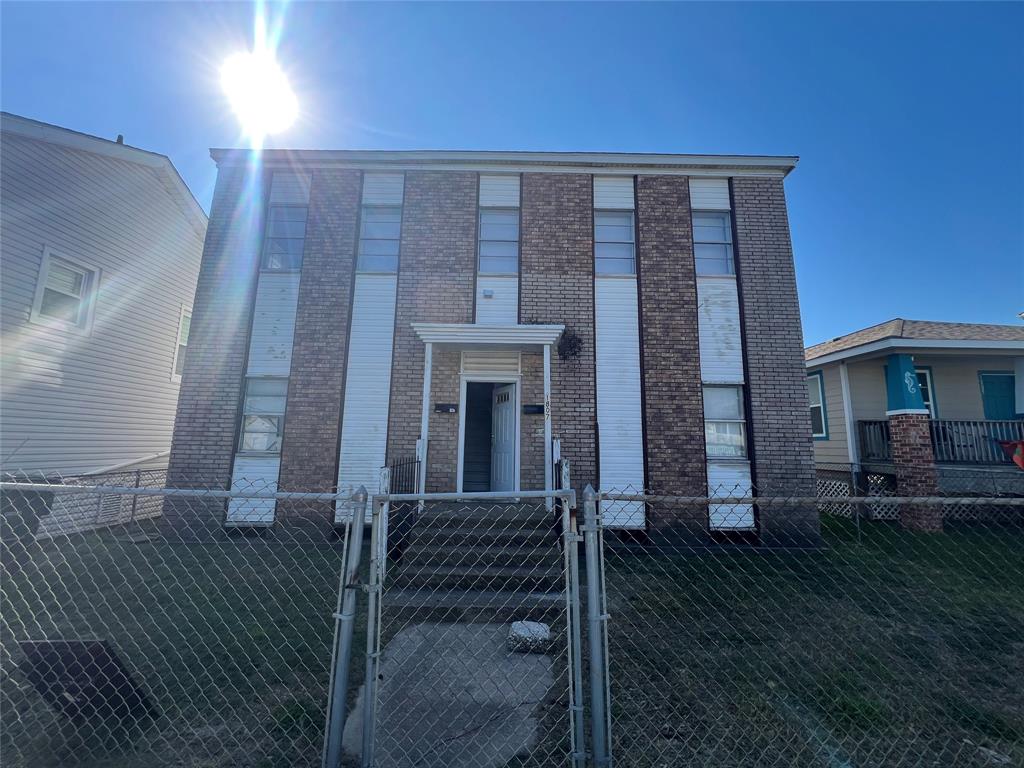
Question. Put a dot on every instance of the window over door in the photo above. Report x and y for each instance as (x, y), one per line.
(499, 240)
(613, 243)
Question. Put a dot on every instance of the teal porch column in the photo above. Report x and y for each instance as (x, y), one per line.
(902, 391)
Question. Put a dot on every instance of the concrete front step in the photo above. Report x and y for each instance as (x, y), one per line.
(540, 578)
(450, 553)
(492, 514)
(456, 535)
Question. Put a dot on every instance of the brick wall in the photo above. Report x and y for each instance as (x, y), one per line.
(776, 376)
(916, 475)
(531, 426)
(436, 279)
(316, 384)
(206, 422)
(673, 400)
(557, 286)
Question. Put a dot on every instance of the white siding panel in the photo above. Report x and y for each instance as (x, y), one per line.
(364, 427)
(718, 324)
(613, 192)
(383, 188)
(502, 306)
(253, 473)
(273, 324)
(502, 361)
(620, 427)
(499, 191)
(709, 194)
(730, 478)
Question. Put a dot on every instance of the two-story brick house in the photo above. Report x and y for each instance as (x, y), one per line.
(480, 310)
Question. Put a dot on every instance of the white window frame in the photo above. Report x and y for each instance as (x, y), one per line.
(727, 242)
(632, 243)
(241, 450)
(930, 403)
(742, 421)
(184, 311)
(480, 240)
(90, 292)
(819, 379)
(360, 269)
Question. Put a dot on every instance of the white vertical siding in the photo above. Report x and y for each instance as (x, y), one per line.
(383, 188)
(709, 194)
(620, 428)
(725, 479)
(273, 324)
(253, 473)
(615, 192)
(499, 191)
(364, 427)
(502, 306)
(718, 325)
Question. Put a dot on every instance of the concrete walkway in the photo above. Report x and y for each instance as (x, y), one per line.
(453, 696)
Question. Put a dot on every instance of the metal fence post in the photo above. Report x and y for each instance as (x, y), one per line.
(571, 540)
(378, 556)
(344, 624)
(595, 631)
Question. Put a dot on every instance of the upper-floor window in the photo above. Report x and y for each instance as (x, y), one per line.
(613, 243)
(712, 243)
(380, 233)
(725, 431)
(816, 397)
(184, 326)
(263, 415)
(65, 293)
(285, 236)
(499, 240)
(924, 383)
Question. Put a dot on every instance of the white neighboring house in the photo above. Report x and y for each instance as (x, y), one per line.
(100, 246)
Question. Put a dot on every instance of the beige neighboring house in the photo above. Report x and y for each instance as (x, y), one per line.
(969, 382)
(100, 246)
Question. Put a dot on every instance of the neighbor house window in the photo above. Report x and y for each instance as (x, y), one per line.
(712, 243)
(613, 243)
(499, 240)
(65, 293)
(725, 429)
(380, 233)
(263, 415)
(184, 325)
(924, 382)
(816, 397)
(285, 236)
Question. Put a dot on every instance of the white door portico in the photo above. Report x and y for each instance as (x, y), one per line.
(468, 337)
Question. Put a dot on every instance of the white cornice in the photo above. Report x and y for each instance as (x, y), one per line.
(467, 335)
(611, 163)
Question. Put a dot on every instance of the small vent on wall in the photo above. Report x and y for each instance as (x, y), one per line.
(490, 361)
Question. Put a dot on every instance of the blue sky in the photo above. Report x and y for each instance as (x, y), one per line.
(909, 118)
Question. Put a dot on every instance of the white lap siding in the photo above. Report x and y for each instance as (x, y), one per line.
(721, 362)
(617, 336)
(364, 422)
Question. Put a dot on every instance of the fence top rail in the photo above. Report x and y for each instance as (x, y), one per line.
(508, 496)
(763, 501)
(208, 493)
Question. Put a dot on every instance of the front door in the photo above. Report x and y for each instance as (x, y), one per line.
(997, 395)
(503, 437)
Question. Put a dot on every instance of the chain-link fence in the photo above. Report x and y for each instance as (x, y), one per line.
(736, 628)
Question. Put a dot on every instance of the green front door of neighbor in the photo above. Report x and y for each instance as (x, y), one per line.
(997, 395)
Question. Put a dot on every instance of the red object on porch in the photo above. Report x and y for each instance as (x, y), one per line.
(1015, 450)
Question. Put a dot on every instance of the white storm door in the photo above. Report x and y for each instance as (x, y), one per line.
(503, 438)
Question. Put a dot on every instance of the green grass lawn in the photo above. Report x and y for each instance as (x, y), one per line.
(892, 650)
(898, 650)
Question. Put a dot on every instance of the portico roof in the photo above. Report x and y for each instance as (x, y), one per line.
(463, 335)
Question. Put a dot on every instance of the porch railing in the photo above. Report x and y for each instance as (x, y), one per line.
(404, 473)
(955, 441)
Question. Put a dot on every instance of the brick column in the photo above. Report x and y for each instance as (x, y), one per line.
(780, 417)
(436, 278)
(912, 453)
(670, 358)
(206, 422)
(316, 383)
(556, 285)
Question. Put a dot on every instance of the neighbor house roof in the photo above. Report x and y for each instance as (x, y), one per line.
(625, 163)
(908, 333)
(166, 172)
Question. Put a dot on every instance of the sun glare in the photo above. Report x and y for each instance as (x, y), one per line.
(259, 94)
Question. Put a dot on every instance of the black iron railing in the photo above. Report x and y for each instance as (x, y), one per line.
(404, 473)
(955, 441)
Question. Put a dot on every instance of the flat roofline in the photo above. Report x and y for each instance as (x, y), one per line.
(511, 160)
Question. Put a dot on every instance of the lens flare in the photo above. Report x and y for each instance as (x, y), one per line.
(259, 94)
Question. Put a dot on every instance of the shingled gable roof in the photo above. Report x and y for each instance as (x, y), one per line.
(899, 328)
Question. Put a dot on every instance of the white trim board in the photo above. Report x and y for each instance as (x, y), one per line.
(488, 378)
(912, 345)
